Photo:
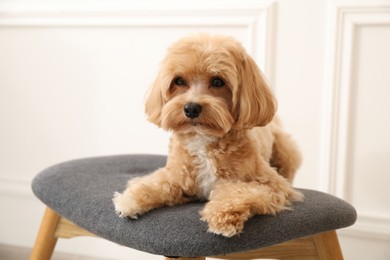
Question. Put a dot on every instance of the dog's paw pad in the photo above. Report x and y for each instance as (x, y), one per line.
(125, 206)
(226, 229)
(227, 224)
(124, 215)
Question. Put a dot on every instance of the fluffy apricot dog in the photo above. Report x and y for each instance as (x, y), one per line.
(226, 148)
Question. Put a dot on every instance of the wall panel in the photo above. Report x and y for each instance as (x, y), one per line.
(357, 145)
(73, 77)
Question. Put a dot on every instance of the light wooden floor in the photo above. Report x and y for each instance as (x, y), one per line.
(23, 253)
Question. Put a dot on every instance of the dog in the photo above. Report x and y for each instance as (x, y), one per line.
(226, 148)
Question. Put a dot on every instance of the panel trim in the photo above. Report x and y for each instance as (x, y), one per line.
(256, 16)
(369, 227)
(15, 187)
(337, 175)
(338, 92)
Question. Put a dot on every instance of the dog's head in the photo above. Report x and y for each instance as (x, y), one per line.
(210, 85)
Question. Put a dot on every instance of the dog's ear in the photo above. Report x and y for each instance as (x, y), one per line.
(156, 98)
(254, 103)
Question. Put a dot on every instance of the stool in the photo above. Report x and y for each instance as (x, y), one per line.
(78, 195)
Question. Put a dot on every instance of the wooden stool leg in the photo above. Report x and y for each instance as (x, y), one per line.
(328, 246)
(46, 241)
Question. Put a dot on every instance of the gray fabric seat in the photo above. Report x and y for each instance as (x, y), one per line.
(82, 190)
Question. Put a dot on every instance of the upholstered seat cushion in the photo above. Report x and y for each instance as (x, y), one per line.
(82, 191)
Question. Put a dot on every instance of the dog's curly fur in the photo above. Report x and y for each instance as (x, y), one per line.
(226, 147)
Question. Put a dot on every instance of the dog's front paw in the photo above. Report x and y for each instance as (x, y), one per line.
(227, 223)
(126, 206)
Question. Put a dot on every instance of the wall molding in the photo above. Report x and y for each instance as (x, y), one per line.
(17, 187)
(339, 99)
(257, 17)
(369, 227)
(339, 92)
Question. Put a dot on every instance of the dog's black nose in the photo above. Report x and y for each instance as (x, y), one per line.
(192, 110)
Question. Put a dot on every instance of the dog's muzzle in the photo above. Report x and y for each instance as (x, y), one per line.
(192, 110)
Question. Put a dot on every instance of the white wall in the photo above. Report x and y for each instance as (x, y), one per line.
(73, 77)
(356, 143)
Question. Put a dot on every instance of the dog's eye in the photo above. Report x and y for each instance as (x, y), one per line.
(179, 81)
(217, 82)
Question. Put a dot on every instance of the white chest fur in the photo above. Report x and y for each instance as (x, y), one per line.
(206, 175)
